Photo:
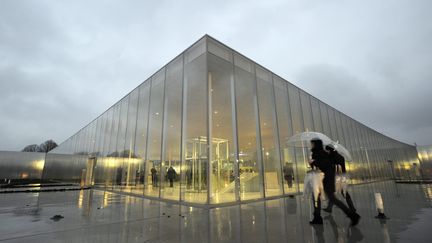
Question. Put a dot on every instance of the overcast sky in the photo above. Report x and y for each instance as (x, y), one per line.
(62, 63)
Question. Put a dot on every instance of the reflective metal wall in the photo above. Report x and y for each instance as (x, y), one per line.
(212, 127)
(21, 165)
(425, 168)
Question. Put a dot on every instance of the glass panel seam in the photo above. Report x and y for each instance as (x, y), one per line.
(258, 137)
(209, 125)
(147, 135)
(276, 133)
(235, 132)
(162, 145)
(292, 132)
(181, 129)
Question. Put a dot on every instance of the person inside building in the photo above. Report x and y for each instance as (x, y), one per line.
(339, 162)
(321, 160)
(154, 176)
(119, 176)
(188, 178)
(171, 174)
(288, 174)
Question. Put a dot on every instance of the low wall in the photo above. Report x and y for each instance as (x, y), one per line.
(21, 165)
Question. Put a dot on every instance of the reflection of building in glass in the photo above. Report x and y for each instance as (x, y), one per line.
(221, 122)
(425, 167)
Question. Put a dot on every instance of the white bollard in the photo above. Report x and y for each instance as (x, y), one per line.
(379, 206)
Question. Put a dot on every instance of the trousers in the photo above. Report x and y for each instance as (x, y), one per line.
(348, 201)
(329, 189)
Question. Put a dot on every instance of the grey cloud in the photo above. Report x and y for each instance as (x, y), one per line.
(63, 63)
(399, 109)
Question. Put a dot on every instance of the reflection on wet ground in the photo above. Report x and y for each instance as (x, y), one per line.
(97, 216)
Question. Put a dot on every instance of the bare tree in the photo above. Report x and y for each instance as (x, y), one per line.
(47, 146)
(31, 148)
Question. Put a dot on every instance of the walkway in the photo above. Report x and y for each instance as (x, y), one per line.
(97, 216)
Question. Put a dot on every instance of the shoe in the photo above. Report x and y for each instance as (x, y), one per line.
(355, 218)
(328, 210)
(316, 220)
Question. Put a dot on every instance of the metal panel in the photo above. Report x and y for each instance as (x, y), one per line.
(21, 165)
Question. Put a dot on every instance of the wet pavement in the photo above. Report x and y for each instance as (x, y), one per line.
(98, 216)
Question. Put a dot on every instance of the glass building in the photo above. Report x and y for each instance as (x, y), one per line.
(211, 127)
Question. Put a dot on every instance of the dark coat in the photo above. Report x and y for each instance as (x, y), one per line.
(171, 173)
(153, 171)
(321, 160)
(337, 159)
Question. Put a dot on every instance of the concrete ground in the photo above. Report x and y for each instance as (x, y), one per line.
(98, 216)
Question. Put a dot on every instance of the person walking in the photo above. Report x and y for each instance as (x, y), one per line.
(339, 162)
(188, 178)
(171, 173)
(288, 174)
(321, 160)
(154, 176)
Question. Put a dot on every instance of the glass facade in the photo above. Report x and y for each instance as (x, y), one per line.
(211, 127)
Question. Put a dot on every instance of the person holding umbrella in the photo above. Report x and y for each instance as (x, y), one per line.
(321, 160)
(339, 161)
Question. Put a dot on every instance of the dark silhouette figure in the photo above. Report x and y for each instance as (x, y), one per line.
(321, 160)
(154, 176)
(288, 174)
(171, 174)
(189, 178)
(119, 176)
(339, 161)
(141, 177)
(232, 176)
